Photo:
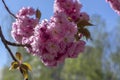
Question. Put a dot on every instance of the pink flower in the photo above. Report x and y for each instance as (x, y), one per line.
(40, 38)
(115, 4)
(45, 46)
(26, 11)
(61, 28)
(24, 25)
(75, 48)
(80, 47)
(52, 41)
(70, 7)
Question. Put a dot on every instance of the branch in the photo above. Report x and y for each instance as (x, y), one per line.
(6, 43)
(8, 9)
(6, 46)
(16, 44)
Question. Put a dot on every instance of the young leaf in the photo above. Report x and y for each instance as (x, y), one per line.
(83, 23)
(25, 73)
(14, 65)
(38, 14)
(28, 66)
(19, 56)
(85, 32)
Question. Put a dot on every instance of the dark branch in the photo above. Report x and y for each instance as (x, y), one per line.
(16, 44)
(8, 9)
(6, 46)
(6, 43)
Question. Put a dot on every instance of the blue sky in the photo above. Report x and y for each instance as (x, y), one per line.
(46, 6)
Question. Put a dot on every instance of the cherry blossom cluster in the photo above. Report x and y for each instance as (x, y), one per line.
(52, 40)
(71, 8)
(115, 4)
(23, 27)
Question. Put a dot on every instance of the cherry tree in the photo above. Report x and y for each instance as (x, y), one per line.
(54, 40)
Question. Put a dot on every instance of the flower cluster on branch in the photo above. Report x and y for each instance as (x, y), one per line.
(52, 40)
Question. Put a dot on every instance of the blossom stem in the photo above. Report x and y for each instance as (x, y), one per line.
(8, 9)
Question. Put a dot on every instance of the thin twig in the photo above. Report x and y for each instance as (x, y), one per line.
(16, 44)
(6, 43)
(6, 46)
(8, 9)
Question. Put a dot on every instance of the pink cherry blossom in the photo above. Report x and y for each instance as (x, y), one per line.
(71, 8)
(61, 28)
(26, 11)
(24, 25)
(51, 40)
(75, 48)
(115, 4)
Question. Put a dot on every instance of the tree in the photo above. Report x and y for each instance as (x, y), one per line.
(115, 54)
(54, 43)
(87, 66)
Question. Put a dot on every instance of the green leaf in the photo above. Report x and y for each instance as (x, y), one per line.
(28, 66)
(24, 73)
(38, 14)
(19, 56)
(14, 65)
(85, 32)
(83, 23)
